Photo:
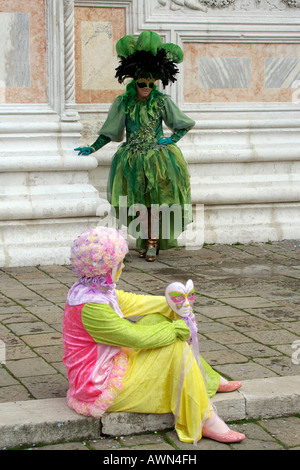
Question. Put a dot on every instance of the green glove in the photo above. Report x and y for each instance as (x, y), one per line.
(165, 141)
(178, 134)
(84, 150)
(98, 144)
(182, 330)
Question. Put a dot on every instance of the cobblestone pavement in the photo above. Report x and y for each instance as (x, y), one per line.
(247, 309)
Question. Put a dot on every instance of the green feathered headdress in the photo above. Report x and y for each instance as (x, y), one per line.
(147, 56)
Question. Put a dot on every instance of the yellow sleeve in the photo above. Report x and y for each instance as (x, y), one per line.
(106, 327)
(137, 305)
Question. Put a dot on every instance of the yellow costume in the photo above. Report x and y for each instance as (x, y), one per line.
(147, 366)
(162, 379)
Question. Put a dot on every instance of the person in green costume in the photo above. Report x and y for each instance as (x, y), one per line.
(148, 171)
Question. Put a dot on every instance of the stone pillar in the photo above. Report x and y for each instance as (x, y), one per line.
(46, 197)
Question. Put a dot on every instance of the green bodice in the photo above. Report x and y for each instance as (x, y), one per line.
(143, 123)
(143, 126)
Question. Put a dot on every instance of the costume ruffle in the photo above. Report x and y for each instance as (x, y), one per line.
(108, 395)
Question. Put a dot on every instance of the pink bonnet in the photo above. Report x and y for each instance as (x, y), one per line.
(97, 250)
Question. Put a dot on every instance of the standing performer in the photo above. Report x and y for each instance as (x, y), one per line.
(115, 365)
(148, 169)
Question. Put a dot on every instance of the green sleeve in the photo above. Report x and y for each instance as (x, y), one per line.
(177, 135)
(136, 305)
(175, 119)
(114, 126)
(100, 142)
(105, 326)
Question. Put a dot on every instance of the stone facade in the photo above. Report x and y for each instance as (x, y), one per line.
(240, 82)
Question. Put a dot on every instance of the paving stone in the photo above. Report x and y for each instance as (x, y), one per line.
(50, 353)
(273, 337)
(105, 443)
(221, 311)
(44, 386)
(42, 339)
(208, 345)
(247, 323)
(156, 447)
(256, 444)
(281, 365)
(228, 337)
(30, 328)
(244, 371)
(8, 338)
(62, 446)
(208, 327)
(277, 314)
(51, 314)
(10, 309)
(9, 318)
(226, 356)
(53, 292)
(205, 302)
(293, 327)
(29, 367)
(203, 444)
(255, 350)
(13, 393)
(248, 302)
(286, 430)
(60, 367)
(140, 439)
(19, 351)
(6, 378)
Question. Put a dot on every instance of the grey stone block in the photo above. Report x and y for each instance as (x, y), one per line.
(43, 421)
(271, 397)
(124, 424)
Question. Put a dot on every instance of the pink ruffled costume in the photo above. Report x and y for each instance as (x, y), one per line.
(95, 371)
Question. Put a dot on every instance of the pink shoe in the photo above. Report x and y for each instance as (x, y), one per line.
(229, 387)
(227, 437)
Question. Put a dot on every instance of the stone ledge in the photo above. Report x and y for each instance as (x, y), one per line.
(51, 420)
(271, 397)
(43, 421)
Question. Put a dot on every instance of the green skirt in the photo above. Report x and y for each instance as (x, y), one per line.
(155, 177)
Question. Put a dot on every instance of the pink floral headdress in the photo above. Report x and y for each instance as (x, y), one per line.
(97, 250)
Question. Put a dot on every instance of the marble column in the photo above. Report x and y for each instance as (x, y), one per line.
(46, 196)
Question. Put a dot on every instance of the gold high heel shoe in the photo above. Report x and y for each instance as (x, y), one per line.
(152, 249)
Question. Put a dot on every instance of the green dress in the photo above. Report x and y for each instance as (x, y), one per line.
(145, 172)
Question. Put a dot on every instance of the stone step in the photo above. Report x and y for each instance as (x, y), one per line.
(51, 420)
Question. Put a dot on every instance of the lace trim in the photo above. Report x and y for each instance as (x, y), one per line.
(107, 397)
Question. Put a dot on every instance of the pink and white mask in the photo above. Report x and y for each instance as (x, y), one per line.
(115, 273)
(180, 297)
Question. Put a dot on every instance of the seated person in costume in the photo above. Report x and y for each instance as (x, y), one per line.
(144, 367)
(149, 168)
